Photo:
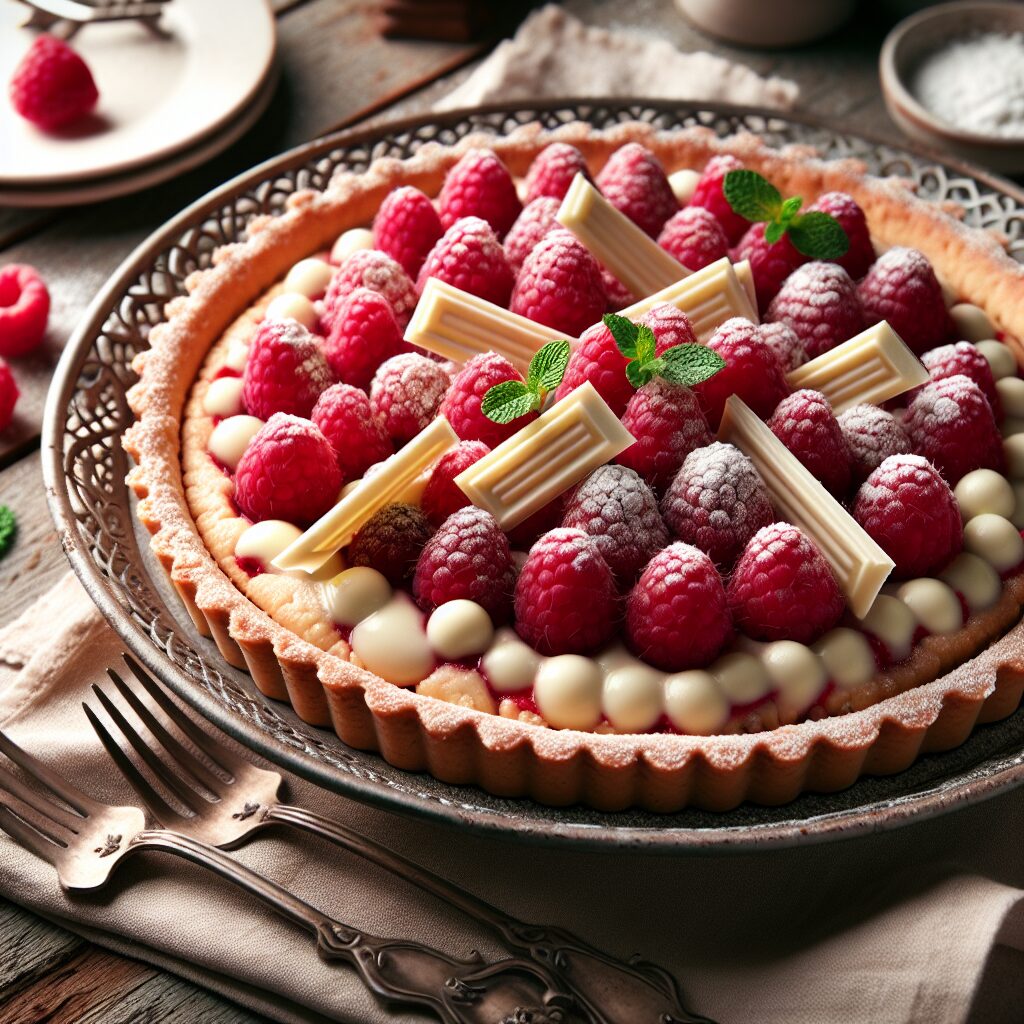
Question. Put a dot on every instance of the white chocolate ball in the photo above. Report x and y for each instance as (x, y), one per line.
(230, 438)
(1011, 426)
(1011, 394)
(356, 594)
(949, 295)
(984, 490)
(510, 664)
(309, 277)
(457, 629)
(568, 691)
(292, 306)
(995, 539)
(797, 673)
(893, 623)
(971, 322)
(392, 642)
(1018, 513)
(847, 657)
(1013, 449)
(741, 677)
(933, 603)
(349, 242)
(264, 541)
(223, 397)
(632, 697)
(695, 704)
(237, 355)
(974, 579)
(1000, 357)
(683, 183)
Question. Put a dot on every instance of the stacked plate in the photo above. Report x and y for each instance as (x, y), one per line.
(166, 104)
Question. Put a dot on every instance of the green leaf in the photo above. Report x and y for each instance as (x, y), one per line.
(508, 401)
(8, 528)
(547, 367)
(819, 236)
(624, 332)
(646, 344)
(752, 196)
(690, 364)
(789, 209)
(774, 231)
(637, 374)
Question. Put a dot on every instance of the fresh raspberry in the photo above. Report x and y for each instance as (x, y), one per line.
(345, 418)
(677, 616)
(553, 170)
(717, 502)
(694, 237)
(536, 220)
(470, 257)
(901, 287)
(871, 435)
(442, 496)
(391, 541)
(620, 513)
(770, 263)
(668, 424)
(617, 295)
(861, 254)
(751, 370)
(468, 559)
(963, 357)
(708, 194)
(289, 471)
(376, 270)
(565, 596)
(782, 588)
(524, 535)
(8, 395)
(364, 333)
(285, 372)
(819, 302)
(908, 508)
(951, 424)
(784, 342)
(560, 284)
(635, 183)
(805, 424)
(671, 327)
(406, 392)
(52, 86)
(24, 309)
(479, 185)
(461, 405)
(406, 228)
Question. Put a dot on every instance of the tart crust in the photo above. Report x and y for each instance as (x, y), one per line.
(293, 655)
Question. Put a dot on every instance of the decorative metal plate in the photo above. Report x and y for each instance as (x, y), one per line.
(84, 468)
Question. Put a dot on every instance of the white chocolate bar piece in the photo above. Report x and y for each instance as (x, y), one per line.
(458, 326)
(708, 297)
(336, 528)
(626, 250)
(872, 366)
(545, 458)
(860, 565)
(745, 273)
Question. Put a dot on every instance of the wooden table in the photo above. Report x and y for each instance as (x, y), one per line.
(336, 71)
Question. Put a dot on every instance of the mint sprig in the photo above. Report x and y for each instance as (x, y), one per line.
(681, 364)
(511, 399)
(816, 234)
(8, 528)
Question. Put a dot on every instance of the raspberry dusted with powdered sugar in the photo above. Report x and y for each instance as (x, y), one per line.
(671, 326)
(565, 596)
(391, 541)
(618, 296)
(635, 183)
(364, 333)
(717, 502)
(784, 342)
(479, 185)
(620, 513)
(406, 228)
(805, 424)
(536, 220)
(406, 392)
(963, 357)
(559, 284)
(8, 395)
(871, 435)
(908, 508)
(289, 471)
(553, 170)
(819, 302)
(24, 309)
(770, 262)
(951, 424)
(782, 588)
(709, 194)
(668, 424)
(345, 418)
(694, 237)
(861, 253)
(676, 615)
(461, 405)
(442, 496)
(469, 256)
(901, 287)
(376, 270)
(285, 372)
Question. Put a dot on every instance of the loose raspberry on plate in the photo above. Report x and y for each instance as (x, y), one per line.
(536, 220)
(391, 541)
(901, 287)
(406, 392)
(52, 86)
(963, 357)
(553, 170)
(479, 185)
(805, 424)
(285, 372)
(717, 502)
(565, 596)
(619, 511)
(364, 333)
(677, 616)
(8, 395)
(24, 309)
(442, 496)
(819, 302)
(908, 508)
(782, 588)
(376, 270)
(951, 424)
(559, 284)
(770, 263)
(709, 194)
(469, 559)
(461, 405)
(784, 342)
(635, 183)
(861, 253)
(289, 471)
(694, 237)
(871, 436)
(345, 418)
(406, 227)
(469, 256)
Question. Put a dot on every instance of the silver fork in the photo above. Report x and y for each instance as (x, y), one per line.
(230, 805)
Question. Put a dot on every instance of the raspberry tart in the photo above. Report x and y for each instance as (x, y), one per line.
(616, 467)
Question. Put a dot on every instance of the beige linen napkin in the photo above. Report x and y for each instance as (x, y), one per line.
(910, 926)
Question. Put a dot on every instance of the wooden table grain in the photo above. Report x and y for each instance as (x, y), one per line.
(336, 71)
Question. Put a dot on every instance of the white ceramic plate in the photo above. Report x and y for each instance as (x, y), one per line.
(157, 96)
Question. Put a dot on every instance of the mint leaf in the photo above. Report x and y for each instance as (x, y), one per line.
(624, 332)
(789, 209)
(508, 401)
(752, 196)
(774, 231)
(819, 236)
(646, 344)
(547, 367)
(689, 364)
(8, 528)
(637, 374)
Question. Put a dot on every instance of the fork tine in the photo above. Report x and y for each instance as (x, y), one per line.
(46, 827)
(49, 778)
(23, 833)
(68, 820)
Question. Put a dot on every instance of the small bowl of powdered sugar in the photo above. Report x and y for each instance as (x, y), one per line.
(953, 77)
